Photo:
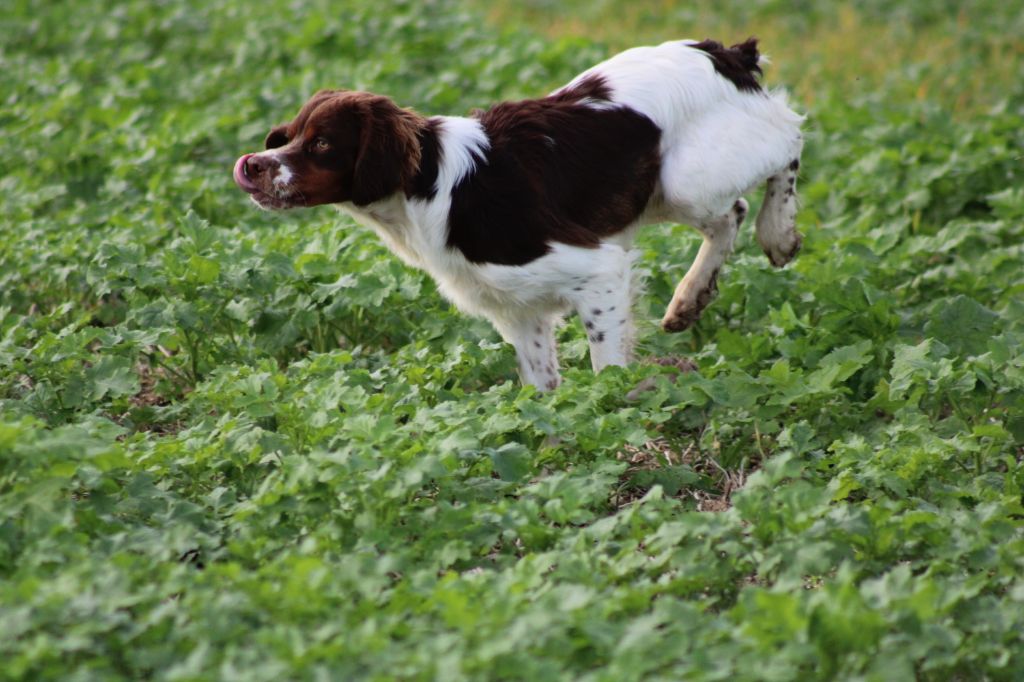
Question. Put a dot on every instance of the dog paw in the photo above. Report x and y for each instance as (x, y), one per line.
(680, 320)
(783, 251)
(685, 310)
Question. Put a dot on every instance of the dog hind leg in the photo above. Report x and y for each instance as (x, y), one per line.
(604, 303)
(776, 221)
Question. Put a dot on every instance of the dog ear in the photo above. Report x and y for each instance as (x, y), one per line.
(277, 137)
(389, 151)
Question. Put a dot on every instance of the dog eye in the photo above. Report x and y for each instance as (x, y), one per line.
(321, 145)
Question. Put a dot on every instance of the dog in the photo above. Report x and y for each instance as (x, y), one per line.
(527, 210)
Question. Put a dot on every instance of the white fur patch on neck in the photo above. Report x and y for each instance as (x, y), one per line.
(463, 144)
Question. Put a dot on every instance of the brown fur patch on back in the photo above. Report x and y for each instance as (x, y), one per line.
(557, 170)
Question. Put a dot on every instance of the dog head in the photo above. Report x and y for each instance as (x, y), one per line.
(342, 146)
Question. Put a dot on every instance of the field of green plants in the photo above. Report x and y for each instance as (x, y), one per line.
(237, 445)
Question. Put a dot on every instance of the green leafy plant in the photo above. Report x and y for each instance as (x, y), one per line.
(236, 445)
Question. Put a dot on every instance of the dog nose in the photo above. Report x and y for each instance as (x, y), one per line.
(256, 165)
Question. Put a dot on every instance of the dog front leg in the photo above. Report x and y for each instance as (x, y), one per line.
(533, 337)
(701, 281)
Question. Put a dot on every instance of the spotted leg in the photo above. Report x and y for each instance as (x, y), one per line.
(603, 302)
(776, 221)
(699, 285)
(533, 337)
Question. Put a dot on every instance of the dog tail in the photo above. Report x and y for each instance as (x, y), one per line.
(749, 54)
(740, 64)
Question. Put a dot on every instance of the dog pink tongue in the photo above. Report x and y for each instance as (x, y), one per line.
(239, 175)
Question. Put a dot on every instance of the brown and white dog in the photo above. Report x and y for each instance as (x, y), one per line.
(527, 210)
